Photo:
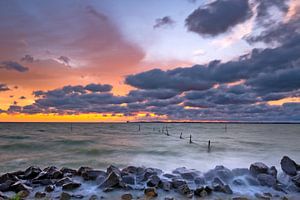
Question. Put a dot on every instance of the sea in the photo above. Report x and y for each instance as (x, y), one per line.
(158, 145)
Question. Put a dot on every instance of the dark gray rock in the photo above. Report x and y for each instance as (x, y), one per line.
(153, 181)
(66, 170)
(171, 176)
(296, 180)
(127, 196)
(219, 186)
(40, 195)
(128, 179)
(177, 182)
(19, 186)
(184, 189)
(71, 186)
(114, 169)
(200, 181)
(49, 188)
(273, 171)
(63, 181)
(43, 182)
(150, 192)
(150, 172)
(238, 182)
(82, 169)
(258, 168)
(288, 166)
(23, 194)
(112, 180)
(65, 196)
(8, 177)
(94, 197)
(31, 172)
(100, 179)
(92, 174)
(165, 185)
(251, 180)
(266, 180)
(4, 187)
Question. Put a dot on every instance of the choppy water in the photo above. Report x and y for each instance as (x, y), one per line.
(99, 145)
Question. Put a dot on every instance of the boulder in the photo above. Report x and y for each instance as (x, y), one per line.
(187, 174)
(71, 186)
(288, 166)
(92, 174)
(65, 196)
(23, 194)
(112, 180)
(266, 180)
(19, 186)
(165, 185)
(238, 182)
(114, 169)
(171, 176)
(31, 172)
(63, 181)
(66, 170)
(127, 196)
(153, 181)
(128, 179)
(94, 197)
(8, 177)
(150, 192)
(43, 182)
(296, 180)
(130, 170)
(200, 192)
(184, 189)
(82, 169)
(273, 171)
(4, 187)
(150, 172)
(49, 188)
(219, 186)
(258, 168)
(40, 195)
(223, 173)
(200, 181)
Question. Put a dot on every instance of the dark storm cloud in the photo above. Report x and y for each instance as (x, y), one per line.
(11, 65)
(3, 87)
(66, 60)
(98, 87)
(218, 17)
(156, 94)
(27, 58)
(165, 21)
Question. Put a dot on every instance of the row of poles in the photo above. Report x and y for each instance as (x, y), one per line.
(166, 132)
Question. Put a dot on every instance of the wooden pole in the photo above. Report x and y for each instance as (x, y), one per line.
(208, 146)
(190, 138)
(181, 136)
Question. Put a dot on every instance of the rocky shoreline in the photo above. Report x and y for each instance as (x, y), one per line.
(257, 182)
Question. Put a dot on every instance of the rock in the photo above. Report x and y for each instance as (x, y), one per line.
(273, 171)
(262, 197)
(2, 196)
(150, 172)
(238, 182)
(200, 192)
(187, 174)
(128, 179)
(42, 182)
(71, 186)
(31, 172)
(240, 171)
(4, 187)
(296, 180)
(66, 170)
(18, 186)
(266, 180)
(65, 196)
(219, 186)
(240, 198)
(23, 194)
(169, 198)
(184, 189)
(49, 188)
(77, 196)
(288, 166)
(177, 182)
(114, 169)
(108, 189)
(63, 181)
(130, 170)
(252, 181)
(258, 168)
(94, 197)
(150, 192)
(112, 180)
(40, 195)
(200, 180)
(153, 181)
(50, 173)
(100, 179)
(92, 174)
(82, 169)
(8, 177)
(223, 173)
(127, 196)
(171, 176)
(165, 185)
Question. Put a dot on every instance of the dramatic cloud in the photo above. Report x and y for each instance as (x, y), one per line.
(66, 60)
(14, 66)
(98, 87)
(3, 87)
(165, 21)
(27, 58)
(218, 17)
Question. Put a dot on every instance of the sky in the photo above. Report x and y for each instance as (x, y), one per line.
(133, 60)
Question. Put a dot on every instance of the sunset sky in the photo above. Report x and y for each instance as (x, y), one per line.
(171, 60)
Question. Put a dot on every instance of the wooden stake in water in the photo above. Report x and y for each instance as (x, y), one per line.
(191, 139)
(181, 136)
(139, 127)
(167, 131)
(208, 146)
(71, 128)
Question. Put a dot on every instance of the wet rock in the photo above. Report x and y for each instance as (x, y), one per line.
(184, 189)
(251, 181)
(177, 182)
(130, 170)
(128, 179)
(8, 177)
(66, 170)
(240, 198)
(112, 180)
(238, 182)
(200, 192)
(2, 196)
(71, 186)
(43, 182)
(150, 192)
(258, 168)
(288, 166)
(169, 198)
(49, 188)
(187, 174)
(223, 173)
(165, 185)
(171, 176)
(77, 196)
(200, 181)
(100, 179)
(63, 181)
(266, 180)
(40, 195)
(127, 196)
(296, 180)
(31, 172)
(83, 169)
(92, 174)
(153, 181)
(94, 197)
(150, 172)
(65, 196)
(108, 189)
(114, 169)
(23, 194)
(262, 196)
(219, 186)
(4, 187)
(19, 186)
